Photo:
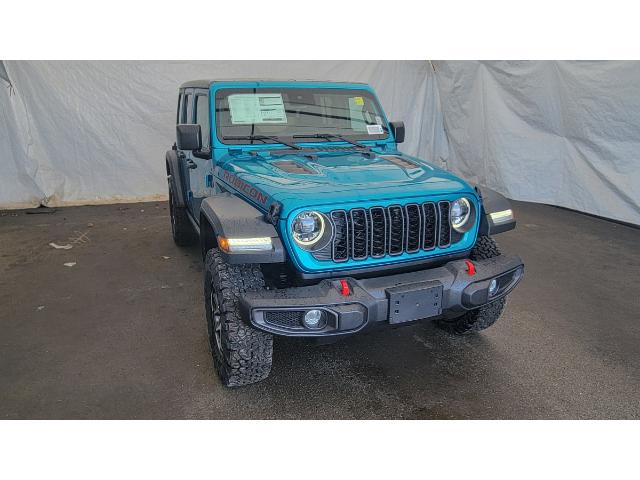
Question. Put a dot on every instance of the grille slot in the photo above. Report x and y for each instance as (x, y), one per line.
(396, 230)
(341, 235)
(359, 235)
(412, 213)
(445, 227)
(285, 318)
(379, 231)
(430, 225)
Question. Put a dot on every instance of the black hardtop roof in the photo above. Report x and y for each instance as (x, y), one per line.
(207, 82)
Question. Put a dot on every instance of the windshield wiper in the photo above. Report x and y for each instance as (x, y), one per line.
(261, 137)
(328, 136)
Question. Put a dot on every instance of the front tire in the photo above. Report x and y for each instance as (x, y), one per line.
(485, 316)
(241, 354)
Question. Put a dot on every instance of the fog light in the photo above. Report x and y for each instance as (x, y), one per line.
(313, 319)
(493, 287)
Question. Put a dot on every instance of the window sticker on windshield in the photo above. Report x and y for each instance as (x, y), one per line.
(374, 129)
(248, 108)
(356, 115)
(358, 100)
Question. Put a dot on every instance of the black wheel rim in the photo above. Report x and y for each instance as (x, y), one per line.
(216, 319)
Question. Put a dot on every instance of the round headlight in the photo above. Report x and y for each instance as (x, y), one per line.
(308, 228)
(460, 213)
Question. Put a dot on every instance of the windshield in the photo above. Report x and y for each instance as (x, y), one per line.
(257, 115)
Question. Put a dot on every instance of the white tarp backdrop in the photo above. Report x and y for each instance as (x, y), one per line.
(565, 133)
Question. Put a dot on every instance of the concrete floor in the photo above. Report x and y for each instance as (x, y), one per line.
(121, 334)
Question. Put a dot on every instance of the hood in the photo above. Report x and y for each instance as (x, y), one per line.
(330, 178)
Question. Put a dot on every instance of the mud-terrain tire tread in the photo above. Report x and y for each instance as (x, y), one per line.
(481, 318)
(485, 247)
(184, 235)
(246, 352)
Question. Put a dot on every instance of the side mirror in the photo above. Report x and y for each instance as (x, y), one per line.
(188, 136)
(397, 129)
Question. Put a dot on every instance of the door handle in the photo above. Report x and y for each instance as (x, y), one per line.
(191, 164)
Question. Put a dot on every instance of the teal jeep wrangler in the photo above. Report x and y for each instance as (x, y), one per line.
(313, 224)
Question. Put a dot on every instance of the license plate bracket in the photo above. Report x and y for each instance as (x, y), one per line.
(414, 301)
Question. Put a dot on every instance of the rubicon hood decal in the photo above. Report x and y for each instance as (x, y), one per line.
(245, 188)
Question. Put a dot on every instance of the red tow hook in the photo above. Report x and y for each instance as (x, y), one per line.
(344, 288)
(471, 268)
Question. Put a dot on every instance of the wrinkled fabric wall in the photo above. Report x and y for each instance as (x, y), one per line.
(93, 132)
(3, 73)
(563, 133)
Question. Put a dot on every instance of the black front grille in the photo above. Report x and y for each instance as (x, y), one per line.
(375, 232)
(285, 318)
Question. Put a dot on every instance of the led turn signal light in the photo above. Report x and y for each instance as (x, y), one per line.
(233, 245)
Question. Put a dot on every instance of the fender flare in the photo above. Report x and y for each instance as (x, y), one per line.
(232, 217)
(173, 177)
(495, 217)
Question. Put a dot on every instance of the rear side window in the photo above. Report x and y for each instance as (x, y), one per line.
(186, 109)
(202, 119)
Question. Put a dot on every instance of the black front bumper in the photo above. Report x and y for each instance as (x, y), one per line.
(446, 291)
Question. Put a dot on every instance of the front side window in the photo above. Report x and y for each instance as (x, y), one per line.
(202, 119)
(293, 114)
